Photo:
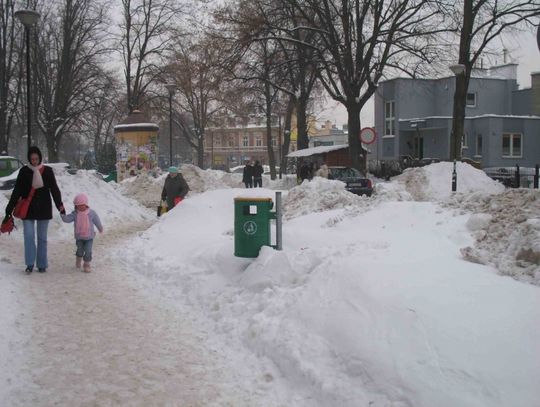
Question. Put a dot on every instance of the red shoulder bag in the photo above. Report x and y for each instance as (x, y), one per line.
(21, 208)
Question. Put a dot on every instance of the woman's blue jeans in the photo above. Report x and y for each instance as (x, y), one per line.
(30, 243)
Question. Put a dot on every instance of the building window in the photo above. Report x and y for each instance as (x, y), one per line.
(245, 141)
(471, 99)
(217, 141)
(464, 142)
(231, 141)
(389, 118)
(258, 141)
(511, 145)
(479, 145)
(274, 142)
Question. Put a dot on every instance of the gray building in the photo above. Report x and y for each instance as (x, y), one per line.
(413, 117)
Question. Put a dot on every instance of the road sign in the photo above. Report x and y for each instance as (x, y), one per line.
(368, 135)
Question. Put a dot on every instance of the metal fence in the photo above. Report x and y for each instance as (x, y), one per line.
(515, 177)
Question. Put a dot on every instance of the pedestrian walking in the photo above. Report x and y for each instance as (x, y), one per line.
(305, 172)
(247, 175)
(175, 188)
(257, 174)
(31, 202)
(323, 171)
(84, 220)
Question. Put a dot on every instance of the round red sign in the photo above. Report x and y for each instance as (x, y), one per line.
(368, 135)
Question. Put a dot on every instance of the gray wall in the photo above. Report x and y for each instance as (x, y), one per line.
(522, 102)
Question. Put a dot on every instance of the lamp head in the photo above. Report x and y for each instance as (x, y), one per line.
(27, 17)
(457, 69)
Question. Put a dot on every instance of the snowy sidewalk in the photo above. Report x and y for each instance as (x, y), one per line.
(96, 339)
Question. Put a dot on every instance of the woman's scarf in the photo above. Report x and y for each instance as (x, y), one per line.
(82, 223)
(37, 179)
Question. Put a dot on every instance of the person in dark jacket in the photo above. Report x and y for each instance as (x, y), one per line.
(257, 174)
(247, 175)
(42, 179)
(175, 188)
(305, 172)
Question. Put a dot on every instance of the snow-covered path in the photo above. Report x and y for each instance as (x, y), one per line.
(96, 339)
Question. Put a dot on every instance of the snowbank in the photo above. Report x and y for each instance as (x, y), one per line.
(506, 228)
(434, 182)
(318, 195)
(380, 310)
(147, 190)
(112, 207)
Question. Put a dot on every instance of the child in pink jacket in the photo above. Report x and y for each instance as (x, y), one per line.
(85, 219)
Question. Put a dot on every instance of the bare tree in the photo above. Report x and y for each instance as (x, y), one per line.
(200, 80)
(98, 121)
(359, 40)
(148, 29)
(479, 23)
(67, 66)
(257, 28)
(10, 71)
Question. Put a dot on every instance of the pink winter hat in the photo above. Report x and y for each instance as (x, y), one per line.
(80, 199)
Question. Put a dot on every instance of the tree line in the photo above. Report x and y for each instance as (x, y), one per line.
(93, 62)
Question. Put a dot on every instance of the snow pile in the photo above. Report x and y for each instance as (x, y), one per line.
(506, 228)
(205, 180)
(318, 195)
(112, 208)
(145, 189)
(374, 311)
(434, 182)
(390, 191)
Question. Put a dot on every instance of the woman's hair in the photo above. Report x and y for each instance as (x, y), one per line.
(34, 150)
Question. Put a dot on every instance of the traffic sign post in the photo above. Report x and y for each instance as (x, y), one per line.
(368, 135)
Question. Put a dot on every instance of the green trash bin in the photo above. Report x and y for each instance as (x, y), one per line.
(252, 225)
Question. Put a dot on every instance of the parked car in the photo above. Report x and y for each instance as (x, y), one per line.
(8, 182)
(355, 182)
(8, 165)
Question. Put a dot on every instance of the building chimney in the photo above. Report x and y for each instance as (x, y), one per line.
(535, 86)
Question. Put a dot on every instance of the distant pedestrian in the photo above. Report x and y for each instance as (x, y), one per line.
(84, 220)
(257, 174)
(175, 188)
(247, 175)
(305, 172)
(323, 171)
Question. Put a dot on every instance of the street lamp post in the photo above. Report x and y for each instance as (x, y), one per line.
(171, 87)
(28, 18)
(458, 115)
(458, 119)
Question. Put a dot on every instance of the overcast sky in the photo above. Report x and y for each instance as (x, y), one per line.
(523, 50)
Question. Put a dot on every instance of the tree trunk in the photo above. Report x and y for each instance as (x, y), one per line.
(200, 152)
(52, 145)
(301, 124)
(4, 134)
(458, 122)
(286, 137)
(356, 153)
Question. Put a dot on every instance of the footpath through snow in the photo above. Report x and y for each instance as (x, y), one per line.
(74, 339)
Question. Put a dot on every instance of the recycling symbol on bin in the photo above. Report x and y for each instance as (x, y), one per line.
(250, 227)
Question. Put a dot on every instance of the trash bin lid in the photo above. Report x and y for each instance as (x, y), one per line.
(245, 199)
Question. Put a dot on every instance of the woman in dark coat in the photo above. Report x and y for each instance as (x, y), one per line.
(41, 177)
(175, 188)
